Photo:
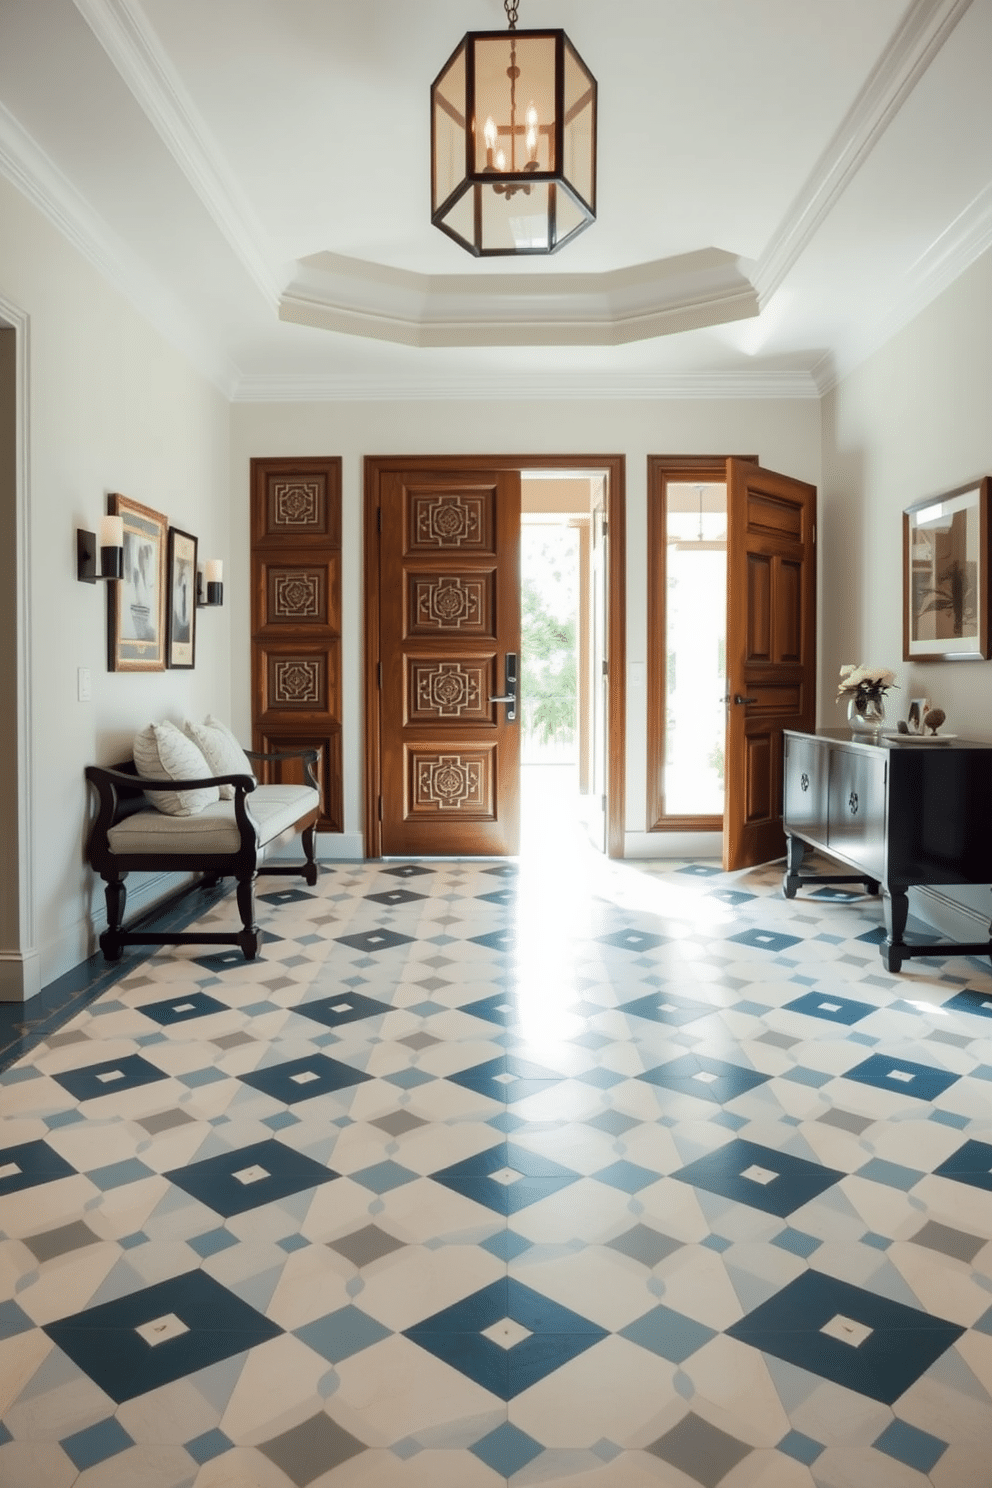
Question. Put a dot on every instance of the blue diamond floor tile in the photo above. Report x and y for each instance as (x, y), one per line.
(903, 1077)
(507, 1449)
(304, 1079)
(554, 1336)
(346, 1007)
(831, 1008)
(876, 1347)
(708, 1079)
(109, 1076)
(182, 1009)
(761, 1178)
(507, 1178)
(235, 1182)
(199, 1321)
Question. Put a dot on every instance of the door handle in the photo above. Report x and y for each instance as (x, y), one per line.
(509, 695)
(738, 699)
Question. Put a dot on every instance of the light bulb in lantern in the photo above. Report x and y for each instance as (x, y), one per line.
(490, 133)
(500, 160)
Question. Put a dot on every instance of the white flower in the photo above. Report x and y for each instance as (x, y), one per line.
(864, 679)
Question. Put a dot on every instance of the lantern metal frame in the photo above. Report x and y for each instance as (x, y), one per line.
(508, 182)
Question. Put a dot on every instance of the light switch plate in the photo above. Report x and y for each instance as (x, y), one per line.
(84, 690)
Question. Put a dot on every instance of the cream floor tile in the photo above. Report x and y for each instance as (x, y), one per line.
(576, 1282)
(277, 1388)
(35, 1465)
(395, 1390)
(853, 1467)
(427, 1282)
(571, 1408)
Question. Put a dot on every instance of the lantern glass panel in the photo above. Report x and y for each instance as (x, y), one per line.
(448, 103)
(515, 224)
(579, 148)
(460, 217)
(534, 89)
(569, 215)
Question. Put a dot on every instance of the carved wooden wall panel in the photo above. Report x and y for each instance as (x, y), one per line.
(296, 615)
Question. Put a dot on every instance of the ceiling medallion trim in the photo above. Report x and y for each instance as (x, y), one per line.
(548, 386)
(348, 295)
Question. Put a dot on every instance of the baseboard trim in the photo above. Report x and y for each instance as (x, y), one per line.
(955, 921)
(347, 845)
(673, 845)
(20, 975)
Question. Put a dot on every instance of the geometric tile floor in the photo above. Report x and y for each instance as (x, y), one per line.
(607, 1175)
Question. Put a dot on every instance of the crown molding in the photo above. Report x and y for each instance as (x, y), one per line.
(39, 179)
(708, 287)
(530, 387)
(947, 258)
(127, 37)
(917, 40)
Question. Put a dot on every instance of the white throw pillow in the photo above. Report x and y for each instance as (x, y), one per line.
(221, 751)
(163, 752)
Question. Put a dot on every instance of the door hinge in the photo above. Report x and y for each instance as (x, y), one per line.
(378, 518)
(380, 808)
(603, 799)
(606, 527)
(814, 532)
(378, 673)
(606, 667)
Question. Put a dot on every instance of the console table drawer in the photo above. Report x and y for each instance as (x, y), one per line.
(856, 812)
(804, 785)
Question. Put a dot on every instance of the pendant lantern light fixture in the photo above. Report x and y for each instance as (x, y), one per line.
(513, 142)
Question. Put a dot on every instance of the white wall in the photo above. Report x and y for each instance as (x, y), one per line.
(111, 407)
(785, 434)
(911, 422)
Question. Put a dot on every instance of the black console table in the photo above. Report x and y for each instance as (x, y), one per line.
(898, 815)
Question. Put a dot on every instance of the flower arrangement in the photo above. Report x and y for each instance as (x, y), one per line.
(868, 684)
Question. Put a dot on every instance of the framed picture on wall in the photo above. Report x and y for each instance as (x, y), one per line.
(181, 594)
(946, 576)
(137, 602)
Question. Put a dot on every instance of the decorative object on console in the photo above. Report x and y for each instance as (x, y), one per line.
(136, 631)
(111, 551)
(918, 709)
(513, 142)
(213, 573)
(934, 719)
(865, 689)
(946, 576)
(181, 627)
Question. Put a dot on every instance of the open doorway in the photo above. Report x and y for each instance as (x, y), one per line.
(442, 644)
(564, 661)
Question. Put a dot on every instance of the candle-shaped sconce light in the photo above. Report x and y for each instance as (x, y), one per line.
(111, 546)
(213, 574)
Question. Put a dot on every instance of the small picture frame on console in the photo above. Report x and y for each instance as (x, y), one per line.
(946, 576)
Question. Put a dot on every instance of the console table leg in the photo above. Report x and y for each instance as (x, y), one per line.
(795, 852)
(895, 905)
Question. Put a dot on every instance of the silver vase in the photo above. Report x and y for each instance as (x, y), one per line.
(866, 713)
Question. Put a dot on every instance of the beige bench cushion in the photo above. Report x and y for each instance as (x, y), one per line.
(274, 808)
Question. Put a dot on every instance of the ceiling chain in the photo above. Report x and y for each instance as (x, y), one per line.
(511, 7)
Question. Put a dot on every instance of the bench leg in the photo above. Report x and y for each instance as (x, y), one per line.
(250, 938)
(309, 840)
(116, 895)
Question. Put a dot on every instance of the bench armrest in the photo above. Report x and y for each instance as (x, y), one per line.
(308, 756)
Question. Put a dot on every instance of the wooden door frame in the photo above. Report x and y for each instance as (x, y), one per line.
(661, 469)
(614, 467)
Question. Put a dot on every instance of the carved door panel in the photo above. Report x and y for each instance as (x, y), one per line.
(296, 616)
(449, 617)
(771, 650)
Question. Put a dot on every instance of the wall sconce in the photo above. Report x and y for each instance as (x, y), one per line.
(213, 572)
(111, 551)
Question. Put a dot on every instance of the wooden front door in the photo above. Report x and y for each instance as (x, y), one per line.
(448, 643)
(771, 650)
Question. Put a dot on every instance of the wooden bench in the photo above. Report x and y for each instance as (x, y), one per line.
(228, 839)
